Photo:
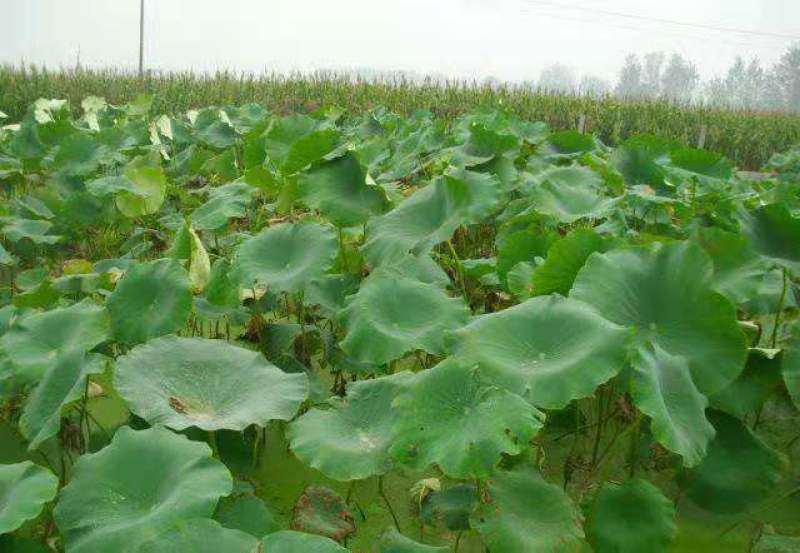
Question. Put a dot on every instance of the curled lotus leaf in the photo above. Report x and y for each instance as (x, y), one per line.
(350, 441)
(392, 315)
(136, 488)
(285, 257)
(525, 513)
(208, 384)
(289, 541)
(151, 300)
(24, 490)
(452, 418)
(549, 349)
(629, 518)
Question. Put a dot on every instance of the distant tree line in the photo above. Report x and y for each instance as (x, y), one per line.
(746, 85)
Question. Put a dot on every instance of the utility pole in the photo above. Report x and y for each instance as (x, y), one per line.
(141, 38)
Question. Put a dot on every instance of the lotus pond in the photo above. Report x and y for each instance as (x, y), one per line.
(239, 331)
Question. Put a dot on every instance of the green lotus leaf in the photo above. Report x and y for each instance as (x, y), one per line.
(111, 186)
(662, 388)
(392, 315)
(199, 535)
(151, 300)
(569, 194)
(284, 132)
(338, 189)
(35, 230)
(310, 149)
(525, 513)
(665, 293)
(791, 366)
(775, 234)
(739, 471)
(6, 258)
(63, 383)
(760, 379)
(79, 155)
(522, 246)
(774, 543)
(330, 292)
(569, 144)
(393, 541)
(350, 441)
(564, 259)
(451, 417)
(285, 257)
(208, 384)
(136, 488)
(450, 507)
(549, 349)
(38, 342)
(431, 215)
(322, 511)
(24, 490)
(224, 203)
(640, 160)
(630, 518)
(483, 144)
(247, 513)
(702, 162)
(289, 541)
(150, 184)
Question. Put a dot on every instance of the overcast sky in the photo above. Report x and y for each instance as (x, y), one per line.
(507, 39)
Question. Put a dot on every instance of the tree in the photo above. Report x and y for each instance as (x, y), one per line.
(630, 78)
(680, 79)
(557, 78)
(651, 79)
(594, 86)
(787, 73)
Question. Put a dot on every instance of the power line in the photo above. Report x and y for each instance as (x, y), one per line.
(667, 21)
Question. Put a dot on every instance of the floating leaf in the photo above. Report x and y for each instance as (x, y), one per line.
(450, 417)
(24, 490)
(208, 384)
(136, 488)
(322, 511)
(247, 513)
(392, 315)
(549, 349)
(151, 300)
(525, 513)
(288, 541)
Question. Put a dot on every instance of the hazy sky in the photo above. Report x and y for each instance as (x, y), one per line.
(507, 39)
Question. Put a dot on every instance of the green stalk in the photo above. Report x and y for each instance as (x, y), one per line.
(774, 337)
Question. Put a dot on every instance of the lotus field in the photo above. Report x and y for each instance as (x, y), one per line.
(236, 331)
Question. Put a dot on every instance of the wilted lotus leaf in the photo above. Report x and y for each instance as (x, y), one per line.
(288, 541)
(525, 513)
(570, 194)
(137, 488)
(151, 300)
(431, 215)
(392, 315)
(452, 418)
(630, 518)
(739, 472)
(286, 257)
(24, 489)
(550, 350)
(393, 541)
(322, 511)
(199, 535)
(351, 440)
(38, 342)
(208, 384)
(224, 203)
(63, 383)
(665, 293)
(150, 189)
(339, 190)
(775, 234)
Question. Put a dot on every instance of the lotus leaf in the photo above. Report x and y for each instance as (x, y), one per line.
(289, 541)
(24, 490)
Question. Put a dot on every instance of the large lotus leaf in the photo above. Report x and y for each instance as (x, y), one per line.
(522, 246)
(640, 160)
(573, 198)
(136, 488)
(199, 535)
(286, 257)
(549, 349)
(739, 471)
(431, 215)
(791, 366)
(35, 230)
(224, 203)
(393, 541)
(151, 300)
(564, 259)
(351, 440)
(338, 189)
(451, 417)
(310, 149)
(525, 513)
(702, 162)
(392, 315)
(760, 379)
(24, 489)
(289, 541)
(38, 342)
(150, 185)
(483, 144)
(110, 186)
(775, 234)
(630, 518)
(569, 144)
(284, 132)
(322, 511)
(79, 155)
(63, 383)
(208, 384)
(665, 293)
(662, 388)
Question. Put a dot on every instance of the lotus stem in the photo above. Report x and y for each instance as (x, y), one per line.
(774, 337)
(388, 504)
